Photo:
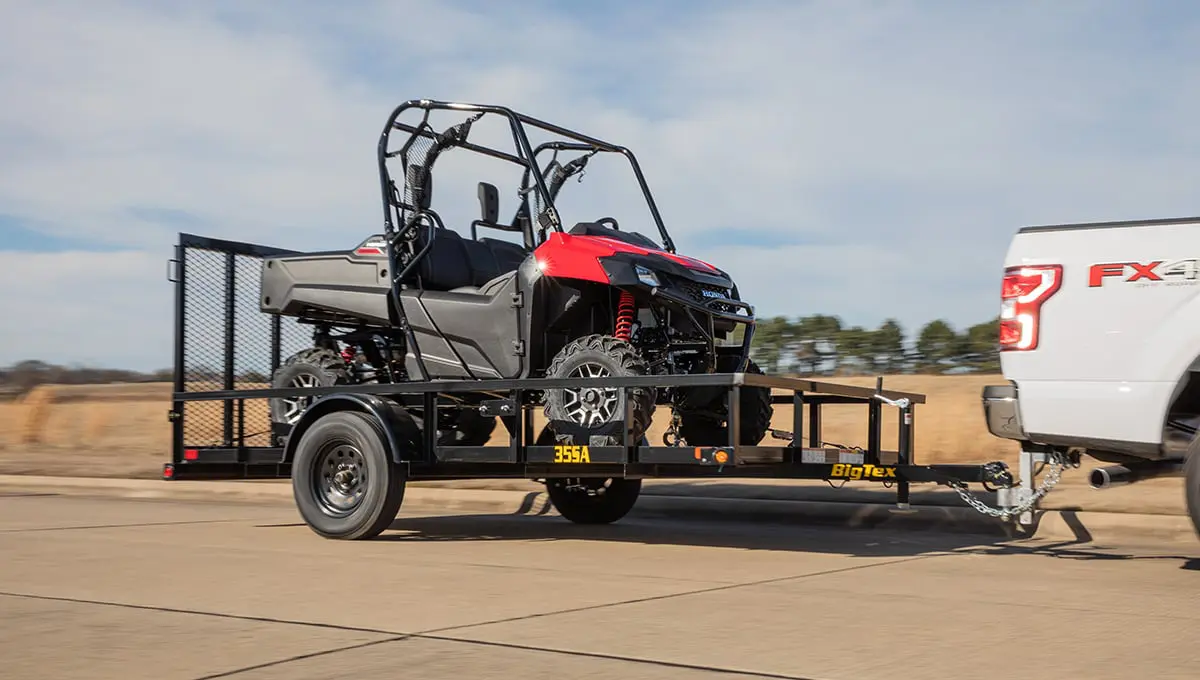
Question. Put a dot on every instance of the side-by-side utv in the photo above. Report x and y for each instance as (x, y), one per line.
(423, 302)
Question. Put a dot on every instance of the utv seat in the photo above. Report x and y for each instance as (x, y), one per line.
(456, 264)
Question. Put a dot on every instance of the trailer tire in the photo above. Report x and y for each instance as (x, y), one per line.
(709, 428)
(313, 367)
(598, 355)
(1191, 481)
(344, 481)
(589, 501)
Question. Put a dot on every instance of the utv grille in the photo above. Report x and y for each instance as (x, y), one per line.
(697, 291)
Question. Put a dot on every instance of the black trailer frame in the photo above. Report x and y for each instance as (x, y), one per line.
(226, 349)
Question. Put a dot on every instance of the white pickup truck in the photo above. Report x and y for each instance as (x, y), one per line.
(1100, 346)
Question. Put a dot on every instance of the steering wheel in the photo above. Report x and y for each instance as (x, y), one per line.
(609, 220)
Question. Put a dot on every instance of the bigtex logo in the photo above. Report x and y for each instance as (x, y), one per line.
(848, 471)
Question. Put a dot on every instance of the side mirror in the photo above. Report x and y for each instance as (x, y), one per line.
(489, 203)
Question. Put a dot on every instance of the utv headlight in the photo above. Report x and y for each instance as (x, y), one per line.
(646, 276)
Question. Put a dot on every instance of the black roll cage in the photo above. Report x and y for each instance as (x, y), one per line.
(526, 158)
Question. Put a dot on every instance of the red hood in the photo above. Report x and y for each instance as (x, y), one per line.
(603, 246)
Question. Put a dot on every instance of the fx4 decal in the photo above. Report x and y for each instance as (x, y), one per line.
(1178, 272)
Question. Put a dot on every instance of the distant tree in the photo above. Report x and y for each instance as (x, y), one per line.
(887, 348)
(937, 345)
(856, 351)
(983, 346)
(770, 337)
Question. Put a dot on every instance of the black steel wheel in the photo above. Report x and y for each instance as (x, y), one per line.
(597, 500)
(344, 481)
(709, 426)
(314, 367)
(593, 500)
(593, 415)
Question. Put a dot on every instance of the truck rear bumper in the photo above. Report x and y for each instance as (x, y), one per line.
(1001, 409)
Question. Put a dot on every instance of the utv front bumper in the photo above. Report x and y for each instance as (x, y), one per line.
(1002, 411)
(720, 309)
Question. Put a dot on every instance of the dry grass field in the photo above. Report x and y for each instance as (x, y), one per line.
(122, 430)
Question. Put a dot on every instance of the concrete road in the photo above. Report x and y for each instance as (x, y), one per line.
(96, 589)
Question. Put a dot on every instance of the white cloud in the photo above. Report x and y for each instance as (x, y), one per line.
(99, 309)
(901, 141)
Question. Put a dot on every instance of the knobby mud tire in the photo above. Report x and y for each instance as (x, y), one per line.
(324, 367)
(620, 359)
(709, 427)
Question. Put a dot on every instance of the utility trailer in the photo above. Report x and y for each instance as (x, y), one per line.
(352, 372)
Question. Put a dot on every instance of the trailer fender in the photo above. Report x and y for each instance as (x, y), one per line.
(401, 431)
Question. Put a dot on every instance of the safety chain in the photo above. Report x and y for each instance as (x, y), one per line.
(1057, 463)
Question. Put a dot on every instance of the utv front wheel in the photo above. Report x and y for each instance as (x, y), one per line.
(710, 427)
(593, 414)
(344, 481)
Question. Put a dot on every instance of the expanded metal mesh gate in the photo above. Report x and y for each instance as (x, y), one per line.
(223, 341)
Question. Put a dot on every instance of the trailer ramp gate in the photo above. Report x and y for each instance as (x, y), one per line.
(227, 349)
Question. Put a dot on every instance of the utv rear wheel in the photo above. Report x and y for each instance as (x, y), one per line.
(344, 481)
(308, 368)
(593, 415)
(710, 427)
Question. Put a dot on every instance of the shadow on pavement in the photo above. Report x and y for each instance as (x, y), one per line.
(860, 542)
(856, 542)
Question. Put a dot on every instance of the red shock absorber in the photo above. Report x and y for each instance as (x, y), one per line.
(348, 354)
(625, 310)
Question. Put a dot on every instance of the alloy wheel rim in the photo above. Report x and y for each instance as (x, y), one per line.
(591, 406)
(294, 406)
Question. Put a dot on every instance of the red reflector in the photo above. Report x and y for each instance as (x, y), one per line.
(191, 454)
(168, 471)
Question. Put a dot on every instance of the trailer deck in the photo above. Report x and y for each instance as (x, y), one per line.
(225, 349)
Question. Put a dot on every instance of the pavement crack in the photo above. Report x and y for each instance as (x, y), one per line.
(197, 612)
(663, 663)
(438, 634)
(300, 657)
(686, 593)
(135, 525)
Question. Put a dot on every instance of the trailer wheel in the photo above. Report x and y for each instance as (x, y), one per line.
(344, 481)
(708, 427)
(594, 411)
(1191, 480)
(314, 367)
(593, 501)
(590, 501)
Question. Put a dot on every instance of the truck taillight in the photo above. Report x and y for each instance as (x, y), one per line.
(1022, 294)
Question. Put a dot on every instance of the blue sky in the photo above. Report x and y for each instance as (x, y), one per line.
(865, 159)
